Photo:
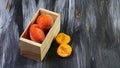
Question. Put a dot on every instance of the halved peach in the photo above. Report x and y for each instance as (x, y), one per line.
(45, 21)
(63, 38)
(36, 34)
(64, 50)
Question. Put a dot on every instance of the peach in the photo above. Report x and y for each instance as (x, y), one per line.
(36, 34)
(45, 21)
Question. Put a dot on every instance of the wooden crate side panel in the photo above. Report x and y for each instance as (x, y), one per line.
(33, 47)
(48, 44)
(58, 23)
(30, 50)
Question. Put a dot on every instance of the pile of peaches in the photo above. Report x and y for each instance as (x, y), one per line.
(39, 30)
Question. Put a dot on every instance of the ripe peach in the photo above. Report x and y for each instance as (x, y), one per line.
(36, 34)
(45, 21)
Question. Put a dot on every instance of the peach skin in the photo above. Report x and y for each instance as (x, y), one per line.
(45, 21)
(36, 34)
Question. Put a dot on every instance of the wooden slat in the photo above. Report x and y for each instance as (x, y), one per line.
(27, 41)
(49, 41)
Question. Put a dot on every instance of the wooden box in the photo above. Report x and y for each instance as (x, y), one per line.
(34, 50)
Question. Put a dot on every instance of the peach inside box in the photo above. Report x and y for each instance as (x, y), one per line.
(35, 50)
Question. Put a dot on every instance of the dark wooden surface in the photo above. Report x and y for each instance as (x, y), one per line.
(94, 26)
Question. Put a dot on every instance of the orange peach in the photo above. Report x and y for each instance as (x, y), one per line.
(36, 34)
(45, 21)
